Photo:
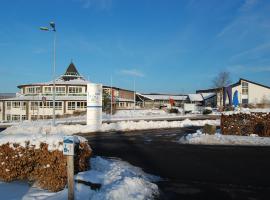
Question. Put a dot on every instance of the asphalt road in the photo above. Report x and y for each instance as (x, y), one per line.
(190, 171)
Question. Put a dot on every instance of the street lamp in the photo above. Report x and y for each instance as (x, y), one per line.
(52, 28)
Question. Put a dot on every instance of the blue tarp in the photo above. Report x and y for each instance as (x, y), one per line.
(235, 99)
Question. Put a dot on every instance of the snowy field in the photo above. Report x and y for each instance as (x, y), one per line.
(219, 139)
(119, 181)
(44, 127)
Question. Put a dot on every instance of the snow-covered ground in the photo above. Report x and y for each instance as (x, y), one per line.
(44, 127)
(119, 181)
(219, 139)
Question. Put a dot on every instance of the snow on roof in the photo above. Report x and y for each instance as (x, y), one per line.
(164, 97)
(195, 97)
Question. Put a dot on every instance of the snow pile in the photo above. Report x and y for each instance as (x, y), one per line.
(119, 180)
(219, 139)
(34, 139)
(46, 128)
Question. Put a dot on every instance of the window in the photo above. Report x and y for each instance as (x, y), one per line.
(244, 88)
(244, 101)
(47, 90)
(23, 105)
(71, 105)
(16, 117)
(8, 117)
(60, 90)
(8, 105)
(34, 105)
(58, 105)
(33, 90)
(81, 105)
(74, 90)
(16, 104)
(23, 117)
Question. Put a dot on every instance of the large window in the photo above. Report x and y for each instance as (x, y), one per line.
(34, 105)
(244, 88)
(71, 105)
(81, 105)
(16, 104)
(75, 90)
(16, 117)
(47, 90)
(60, 90)
(33, 90)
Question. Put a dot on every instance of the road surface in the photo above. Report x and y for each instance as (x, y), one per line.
(190, 171)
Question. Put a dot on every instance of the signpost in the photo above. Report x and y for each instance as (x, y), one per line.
(94, 105)
(68, 151)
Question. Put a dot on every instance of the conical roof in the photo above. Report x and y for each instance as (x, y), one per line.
(71, 70)
(71, 73)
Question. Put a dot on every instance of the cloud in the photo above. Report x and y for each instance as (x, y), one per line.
(132, 72)
(248, 4)
(98, 4)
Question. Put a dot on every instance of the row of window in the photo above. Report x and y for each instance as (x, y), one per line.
(58, 90)
(16, 104)
(72, 105)
(15, 117)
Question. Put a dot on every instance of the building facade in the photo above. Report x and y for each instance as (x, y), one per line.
(35, 101)
(247, 92)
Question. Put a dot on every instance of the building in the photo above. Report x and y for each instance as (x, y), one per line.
(35, 100)
(247, 92)
(159, 100)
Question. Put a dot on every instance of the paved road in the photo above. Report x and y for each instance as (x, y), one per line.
(191, 171)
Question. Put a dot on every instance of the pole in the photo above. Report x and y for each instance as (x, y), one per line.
(70, 173)
(54, 41)
(134, 94)
(111, 98)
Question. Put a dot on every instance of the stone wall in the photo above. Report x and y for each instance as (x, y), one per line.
(246, 124)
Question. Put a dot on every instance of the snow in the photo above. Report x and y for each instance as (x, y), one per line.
(195, 97)
(164, 97)
(219, 139)
(54, 141)
(119, 181)
(45, 128)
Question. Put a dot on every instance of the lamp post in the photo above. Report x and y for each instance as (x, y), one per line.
(52, 28)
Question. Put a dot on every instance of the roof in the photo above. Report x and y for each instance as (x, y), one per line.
(215, 90)
(208, 95)
(71, 73)
(163, 97)
(195, 97)
(242, 79)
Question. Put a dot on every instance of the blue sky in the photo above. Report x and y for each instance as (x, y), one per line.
(168, 46)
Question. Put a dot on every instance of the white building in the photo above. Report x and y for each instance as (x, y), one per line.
(249, 93)
(35, 101)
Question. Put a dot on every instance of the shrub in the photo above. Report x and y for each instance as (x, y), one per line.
(206, 112)
(209, 129)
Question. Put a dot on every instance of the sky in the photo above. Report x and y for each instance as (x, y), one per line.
(166, 46)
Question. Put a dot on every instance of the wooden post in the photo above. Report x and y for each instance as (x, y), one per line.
(68, 151)
(70, 174)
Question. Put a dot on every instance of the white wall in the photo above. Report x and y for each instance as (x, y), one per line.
(256, 93)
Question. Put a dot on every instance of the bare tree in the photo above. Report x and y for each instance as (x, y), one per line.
(223, 79)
